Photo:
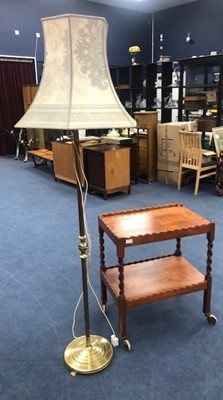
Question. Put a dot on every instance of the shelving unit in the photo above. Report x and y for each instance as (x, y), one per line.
(128, 82)
(151, 79)
(146, 281)
(201, 89)
(139, 88)
(166, 69)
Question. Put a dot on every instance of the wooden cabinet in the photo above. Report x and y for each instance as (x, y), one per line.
(36, 135)
(147, 144)
(108, 168)
(146, 281)
(63, 161)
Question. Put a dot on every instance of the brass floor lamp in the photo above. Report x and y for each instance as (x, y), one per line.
(89, 353)
(76, 92)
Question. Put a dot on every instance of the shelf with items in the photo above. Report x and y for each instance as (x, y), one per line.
(170, 91)
(151, 91)
(147, 87)
(201, 89)
(162, 89)
(120, 77)
(138, 83)
(128, 82)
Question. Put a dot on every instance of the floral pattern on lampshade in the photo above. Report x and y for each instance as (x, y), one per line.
(89, 53)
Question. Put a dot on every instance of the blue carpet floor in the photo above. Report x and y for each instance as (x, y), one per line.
(176, 354)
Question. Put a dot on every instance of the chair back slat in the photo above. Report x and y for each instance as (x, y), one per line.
(190, 148)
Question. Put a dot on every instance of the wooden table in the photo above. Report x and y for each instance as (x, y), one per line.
(146, 281)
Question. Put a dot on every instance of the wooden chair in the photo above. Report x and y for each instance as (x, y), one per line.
(218, 139)
(192, 157)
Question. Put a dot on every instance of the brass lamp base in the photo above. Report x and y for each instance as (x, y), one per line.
(88, 359)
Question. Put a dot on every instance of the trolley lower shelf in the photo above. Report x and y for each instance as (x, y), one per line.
(157, 279)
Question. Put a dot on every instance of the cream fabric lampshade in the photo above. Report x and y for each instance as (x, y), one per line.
(76, 90)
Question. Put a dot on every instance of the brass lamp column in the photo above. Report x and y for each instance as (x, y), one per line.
(76, 92)
(90, 353)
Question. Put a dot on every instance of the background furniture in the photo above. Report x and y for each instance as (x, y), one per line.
(146, 87)
(41, 156)
(199, 86)
(147, 144)
(193, 157)
(108, 168)
(142, 282)
(168, 151)
(201, 81)
(64, 159)
(218, 139)
(44, 154)
(37, 135)
(38, 138)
